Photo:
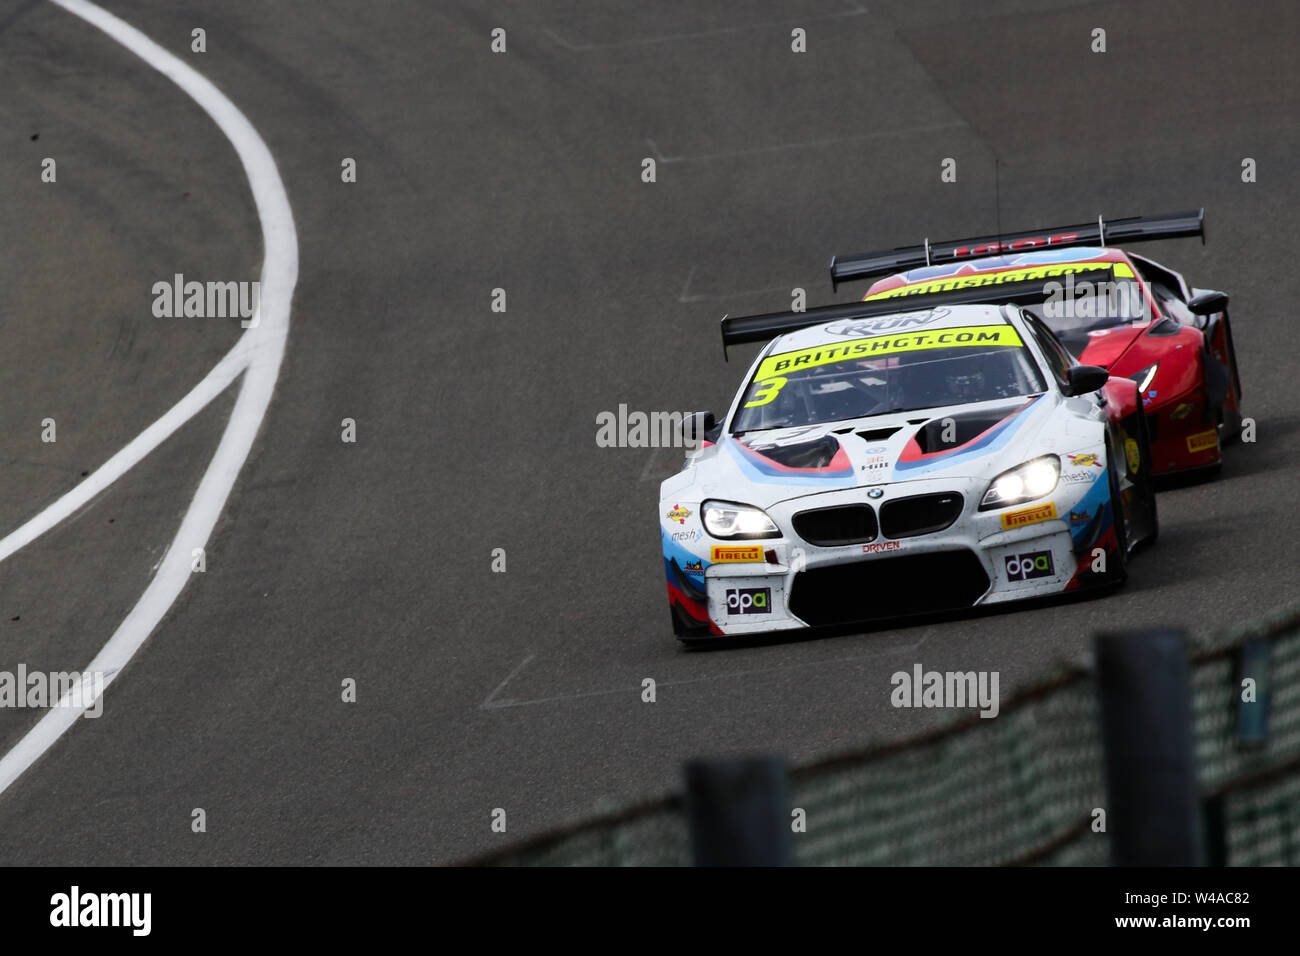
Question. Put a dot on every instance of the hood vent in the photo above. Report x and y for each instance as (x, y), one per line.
(951, 431)
(878, 434)
(808, 454)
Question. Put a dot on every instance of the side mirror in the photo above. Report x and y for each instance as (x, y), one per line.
(697, 428)
(1082, 379)
(1208, 303)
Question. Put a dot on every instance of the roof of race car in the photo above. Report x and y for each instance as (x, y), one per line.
(844, 330)
(1104, 259)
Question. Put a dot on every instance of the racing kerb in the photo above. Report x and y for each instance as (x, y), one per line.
(1018, 789)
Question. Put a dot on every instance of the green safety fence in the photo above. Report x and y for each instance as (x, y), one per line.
(1021, 789)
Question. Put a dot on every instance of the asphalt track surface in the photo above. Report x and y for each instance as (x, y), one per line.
(476, 430)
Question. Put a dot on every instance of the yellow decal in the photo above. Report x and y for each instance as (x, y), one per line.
(1203, 441)
(773, 367)
(1018, 519)
(737, 554)
(1133, 454)
(767, 391)
(950, 283)
(1181, 411)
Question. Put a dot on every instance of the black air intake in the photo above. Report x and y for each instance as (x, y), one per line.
(888, 588)
(840, 525)
(920, 514)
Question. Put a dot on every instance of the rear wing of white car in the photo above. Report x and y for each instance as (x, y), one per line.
(739, 329)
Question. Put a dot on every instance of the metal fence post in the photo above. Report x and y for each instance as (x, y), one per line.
(1154, 810)
(738, 811)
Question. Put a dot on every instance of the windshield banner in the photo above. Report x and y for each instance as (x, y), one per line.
(975, 335)
(998, 278)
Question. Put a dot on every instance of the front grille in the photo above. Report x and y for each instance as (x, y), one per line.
(920, 514)
(888, 587)
(832, 527)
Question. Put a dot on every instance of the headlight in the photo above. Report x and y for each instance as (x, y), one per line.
(1025, 482)
(1145, 377)
(723, 519)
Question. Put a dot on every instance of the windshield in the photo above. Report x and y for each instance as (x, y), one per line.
(884, 374)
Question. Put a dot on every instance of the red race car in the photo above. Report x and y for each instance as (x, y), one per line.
(1129, 315)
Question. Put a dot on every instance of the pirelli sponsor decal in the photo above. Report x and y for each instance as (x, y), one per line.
(1018, 519)
(736, 554)
(999, 278)
(775, 366)
(1203, 441)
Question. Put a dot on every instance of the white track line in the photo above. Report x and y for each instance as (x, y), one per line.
(213, 384)
(258, 353)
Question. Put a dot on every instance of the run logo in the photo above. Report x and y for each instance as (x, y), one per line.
(1022, 567)
(749, 601)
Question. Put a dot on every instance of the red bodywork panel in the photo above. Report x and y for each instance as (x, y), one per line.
(1121, 398)
(1180, 424)
(697, 610)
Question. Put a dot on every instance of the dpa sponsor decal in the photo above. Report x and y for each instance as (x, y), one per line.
(749, 601)
(1024, 567)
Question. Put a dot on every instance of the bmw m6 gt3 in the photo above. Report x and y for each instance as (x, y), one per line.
(876, 464)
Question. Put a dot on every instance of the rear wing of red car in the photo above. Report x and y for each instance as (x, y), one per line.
(1099, 233)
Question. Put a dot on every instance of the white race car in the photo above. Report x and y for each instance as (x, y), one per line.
(881, 464)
